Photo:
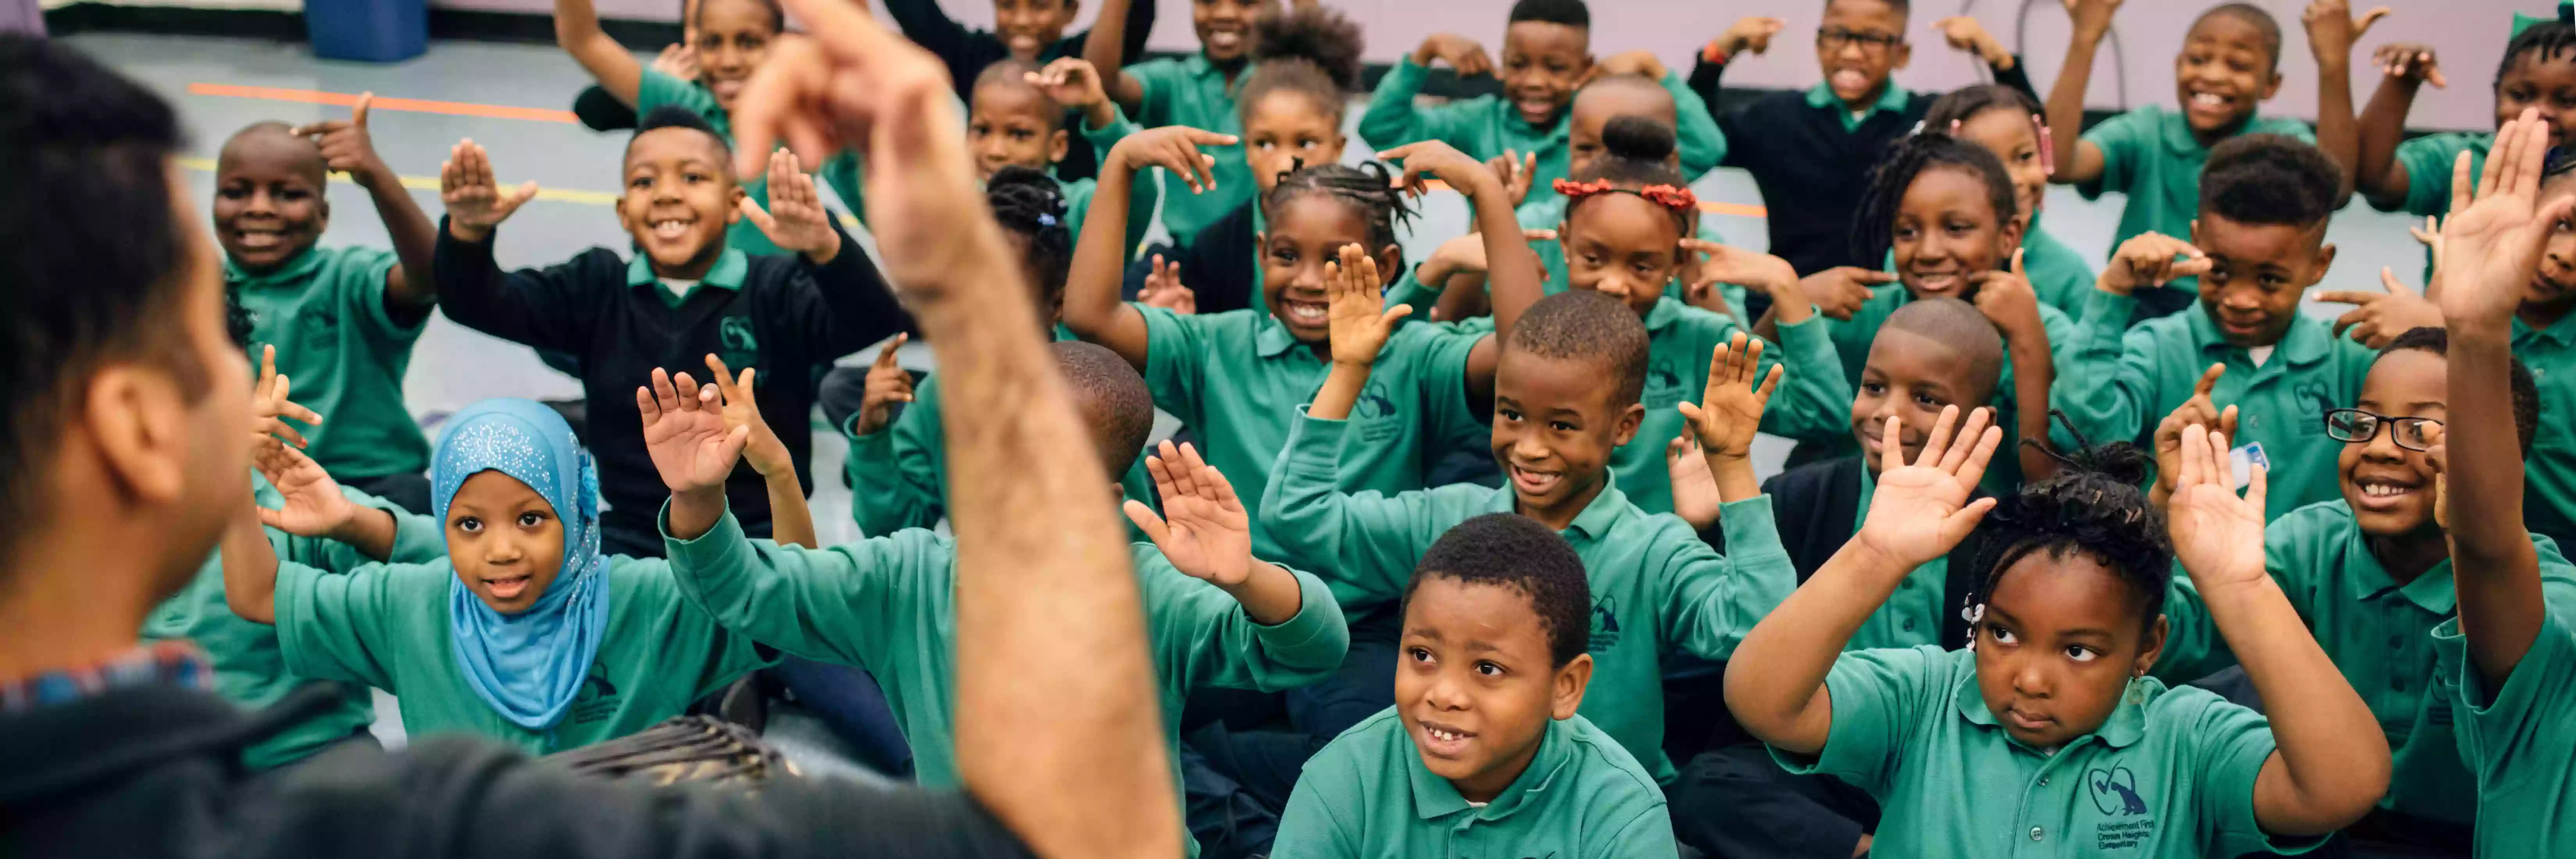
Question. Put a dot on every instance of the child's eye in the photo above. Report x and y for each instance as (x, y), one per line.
(2002, 635)
(2081, 653)
(1561, 426)
(1418, 654)
(1489, 669)
(1513, 415)
(469, 524)
(695, 177)
(531, 519)
(1928, 401)
(1285, 256)
(1874, 388)
(640, 182)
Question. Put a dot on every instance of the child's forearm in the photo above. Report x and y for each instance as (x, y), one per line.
(1775, 683)
(2382, 126)
(250, 568)
(1734, 476)
(1105, 48)
(2033, 372)
(695, 511)
(371, 532)
(1091, 306)
(2066, 110)
(2497, 568)
(791, 521)
(2332, 749)
(1512, 270)
(415, 240)
(2335, 127)
(1271, 596)
(1341, 390)
(577, 31)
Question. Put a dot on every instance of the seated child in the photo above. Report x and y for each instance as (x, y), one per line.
(1031, 32)
(1547, 55)
(2050, 702)
(526, 633)
(1809, 151)
(1487, 749)
(2230, 63)
(344, 319)
(685, 292)
(2008, 123)
(1220, 616)
(1566, 396)
(2414, 176)
(2544, 337)
(1197, 91)
(2257, 245)
(1014, 121)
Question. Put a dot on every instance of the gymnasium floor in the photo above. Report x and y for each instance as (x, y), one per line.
(513, 100)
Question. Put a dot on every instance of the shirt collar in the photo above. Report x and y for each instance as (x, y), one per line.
(1271, 336)
(1207, 71)
(293, 273)
(2431, 591)
(727, 273)
(1891, 98)
(2561, 332)
(2307, 341)
(2126, 725)
(1667, 311)
(2177, 135)
(177, 663)
(1434, 797)
(1597, 518)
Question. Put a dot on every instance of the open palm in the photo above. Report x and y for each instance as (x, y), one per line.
(313, 505)
(1356, 311)
(1730, 409)
(1921, 511)
(2217, 535)
(1204, 531)
(2493, 240)
(685, 433)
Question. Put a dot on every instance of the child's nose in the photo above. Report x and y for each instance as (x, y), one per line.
(2031, 679)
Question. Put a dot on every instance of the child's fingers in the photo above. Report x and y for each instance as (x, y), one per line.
(2461, 182)
(885, 356)
(2208, 380)
(760, 219)
(1395, 314)
(1938, 441)
(1153, 526)
(1891, 448)
(645, 403)
(1770, 383)
(2195, 456)
(734, 442)
(688, 390)
(289, 408)
(1957, 454)
(663, 392)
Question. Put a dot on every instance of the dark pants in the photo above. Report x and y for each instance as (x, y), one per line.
(849, 702)
(1228, 820)
(409, 490)
(1737, 803)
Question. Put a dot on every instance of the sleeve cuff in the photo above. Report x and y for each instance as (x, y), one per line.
(2109, 312)
(1107, 137)
(1318, 617)
(373, 300)
(1751, 532)
(1405, 77)
(709, 550)
(1315, 444)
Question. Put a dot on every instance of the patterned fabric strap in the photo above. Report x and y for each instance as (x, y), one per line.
(176, 663)
(1671, 197)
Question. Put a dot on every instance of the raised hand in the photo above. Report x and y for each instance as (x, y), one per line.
(1070, 81)
(2092, 18)
(345, 146)
(2006, 299)
(1753, 270)
(2217, 535)
(1964, 33)
(1517, 171)
(2198, 411)
(888, 383)
(1461, 53)
(2149, 260)
(1839, 291)
(1749, 35)
(475, 202)
(763, 449)
(1730, 409)
(1641, 63)
(796, 220)
(1434, 159)
(2378, 317)
(2430, 236)
(1695, 496)
(685, 433)
(313, 504)
(2409, 61)
(1174, 148)
(1466, 255)
(268, 403)
(1204, 530)
(2331, 28)
(2438, 455)
(2493, 240)
(1921, 511)
(680, 60)
(1163, 289)
(1361, 322)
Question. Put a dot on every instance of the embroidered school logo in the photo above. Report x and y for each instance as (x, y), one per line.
(739, 347)
(2316, 399)
(1372, 410)
(2115, 791)
(1605, 626)
(598, 698)
(1663, 386)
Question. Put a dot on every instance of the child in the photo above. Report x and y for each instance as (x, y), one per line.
(2414, 176)
(1547, 55)
(2008, 123)
(1484, 745)
(2230, 62)
(526, 634)
(1808, 151)
(344, 319)
(2257, 245)
(2545, 338)
(1197, 91)
(1013, 121)
(1220, 616)
(685, 292)
(2050, 703)
(1566, 397)
(1029, 32)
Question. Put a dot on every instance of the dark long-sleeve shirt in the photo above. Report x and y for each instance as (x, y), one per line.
(1811, 162)
(785, 316)
(967, 51)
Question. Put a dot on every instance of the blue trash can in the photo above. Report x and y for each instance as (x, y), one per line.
(368, 31)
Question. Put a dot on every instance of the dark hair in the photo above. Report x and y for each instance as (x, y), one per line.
(1012, 72)
(1962, 105)
(2270, 179)
(1873, 230)
(2263, 23)
(777, 16)
(2526, 392)
(1029, 203)
(1586, 325)
(1112, 399)
(238, 323)
(2540, 43)
(1369, 187)
(1509, 550)
(1571, 13)
(318, 169)
(1633, 151)
(1901, 6)
(1313, 52)
(95, 251)
(1960, 327)
(2092, 507)
(675, 116)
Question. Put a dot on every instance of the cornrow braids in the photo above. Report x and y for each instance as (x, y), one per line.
(1370, 187)
(2541, 43)
(1874, 220)
(2093, 507)
(1028, 203)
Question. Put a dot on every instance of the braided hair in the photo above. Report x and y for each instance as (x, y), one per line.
(1634, 152)
(1874, 220)
(2540, 43)
(1027, 203)
(1313, 52)
(2092, 507)
(1369, 188)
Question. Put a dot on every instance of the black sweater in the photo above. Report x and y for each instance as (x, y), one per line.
(1220, 264)
(1812, 173)
(797, 315)
(1819, 508)
(967, 52)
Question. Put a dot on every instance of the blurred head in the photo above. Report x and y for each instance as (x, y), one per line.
(1931, 353)
(269, 202)
(680, 192)
(518, 497)
(2264, 202)
(1292, 102)
(1031, 209)
(2539, 72)
(2387, 480)
(1945, 208)
(1012, 123)
(733, 39)
(2073, 598)
(1607, 98)
(2006, 122)
(1312, 213)
(1547, 52)
(1623, 243)
(2553, 284)
(132, 399)
(1224, 27)
(1860, 44)
(1496, 621)
(1556, 422)
(1027, 27)
(1113, 401)
(2230, 62)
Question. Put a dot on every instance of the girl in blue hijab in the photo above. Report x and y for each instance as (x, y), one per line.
(525, 633)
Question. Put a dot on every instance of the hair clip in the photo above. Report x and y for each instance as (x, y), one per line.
(1954, 128)
(1574, 190)
(2047, 144)
(1046, 220)
(1670, 197)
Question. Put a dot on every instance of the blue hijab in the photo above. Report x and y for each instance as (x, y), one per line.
(527, 666)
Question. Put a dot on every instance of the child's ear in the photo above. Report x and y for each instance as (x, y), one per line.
(733, 203)
(2013, 231)
(1629, 419)
(2274, 87)
(1903, 54)
(2324, 260)
(1390, 265)
(1056, 146)
(2195, 234)
(2151, 648)
(322, 214)
(1567, 693)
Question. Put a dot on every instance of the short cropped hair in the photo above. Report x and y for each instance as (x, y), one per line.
(1112, 398)
(2526, 392)
(675, 116)
(1956, 324)
(1585, 325)
(2270, 179)
(2263, 23)
(1513, 551)
(1571, 13)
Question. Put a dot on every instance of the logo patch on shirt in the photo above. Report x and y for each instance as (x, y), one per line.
(2115, 795)
(739, 347)
(1605, 626)
(1372, 411)
(598, 698)
(2315, 400)
(1663, 386)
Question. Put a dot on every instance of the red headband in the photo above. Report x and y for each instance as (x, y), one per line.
(1680, 200)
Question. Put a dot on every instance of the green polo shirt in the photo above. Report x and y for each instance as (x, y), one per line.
(2170, 774)
(1237, 379)
(1852, 339)
(249, 670)
(2428, 173)
(2150, 155)
(2058, 274)
(2549, 496)
(887, 604)
(2116, 383)
(1486, 126)
(730, 268)
(1368, 794)
(2378, 632)
(2519, 741)
(325, 312)
(1911, 617)
(1657, 588)
(1890, 100)
(386, 625)
(1193, 91)
(841, 172)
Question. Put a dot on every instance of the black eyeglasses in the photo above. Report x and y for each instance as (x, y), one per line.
(1834, 38)
(2354, 426)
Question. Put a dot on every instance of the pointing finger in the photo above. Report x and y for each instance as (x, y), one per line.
(2209, 380)
(358, 115)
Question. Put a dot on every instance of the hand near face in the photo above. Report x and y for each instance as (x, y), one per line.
(795, 220)
(684, 431)
(1921, 511)
(269, 403)
(1730, 409)
(1163, 289)
(2378, 317)
(313, 504)
(2492, 243)
(476, 205)
(2217, 535)
(741, 410)
(1361, 323)
(2150, 260)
